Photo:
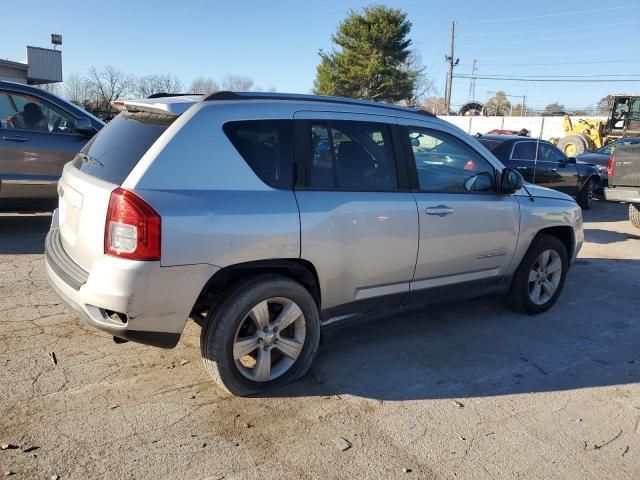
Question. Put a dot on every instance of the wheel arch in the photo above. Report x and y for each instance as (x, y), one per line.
(299, 270)
(564, 233)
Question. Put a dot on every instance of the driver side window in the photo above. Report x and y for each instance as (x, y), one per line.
(25, 112)
(447, 164)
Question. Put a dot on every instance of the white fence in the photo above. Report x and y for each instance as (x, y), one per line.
(545, 127)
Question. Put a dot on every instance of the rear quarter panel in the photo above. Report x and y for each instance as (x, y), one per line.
(214, 208)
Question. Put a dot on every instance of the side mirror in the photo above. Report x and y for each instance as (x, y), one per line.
(83, 126)
(510, 181)
(482, 182)
(571, 160)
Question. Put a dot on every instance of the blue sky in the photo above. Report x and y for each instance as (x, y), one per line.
(276, 42)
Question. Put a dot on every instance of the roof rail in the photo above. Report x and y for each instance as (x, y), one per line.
(226, 95)
(164, 95)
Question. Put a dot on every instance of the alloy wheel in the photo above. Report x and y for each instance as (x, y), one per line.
(544, 277)
(269, 339)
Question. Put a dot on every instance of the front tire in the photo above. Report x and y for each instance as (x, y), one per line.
(540, 277)
(264, 334)
(585, 197)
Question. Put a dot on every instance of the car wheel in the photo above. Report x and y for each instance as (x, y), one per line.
(634, 215)
(264, 334)
(540, 277)
(585, 197)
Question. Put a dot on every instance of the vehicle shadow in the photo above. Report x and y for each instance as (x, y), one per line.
(603, 237)
(603, 211)
(23, 234)
(481, 348)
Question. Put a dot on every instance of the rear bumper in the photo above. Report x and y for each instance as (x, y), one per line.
(622, 194)
(154, 302)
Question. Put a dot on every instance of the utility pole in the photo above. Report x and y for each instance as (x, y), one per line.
(452, 63)
(472, 85)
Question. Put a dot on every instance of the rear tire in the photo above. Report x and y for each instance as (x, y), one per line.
(634, 214)
(585, 197)
(573, 145)
(242, 346)
(539, 279)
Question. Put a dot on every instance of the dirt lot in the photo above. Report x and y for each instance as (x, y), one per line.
(469, 390)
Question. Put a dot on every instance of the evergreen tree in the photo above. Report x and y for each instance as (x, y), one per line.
(373, 61)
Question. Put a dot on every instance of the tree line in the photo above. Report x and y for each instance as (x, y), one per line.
(100, 87)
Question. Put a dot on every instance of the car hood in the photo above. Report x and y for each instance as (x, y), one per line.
(542, 192)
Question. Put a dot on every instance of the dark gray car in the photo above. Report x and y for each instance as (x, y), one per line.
(601, 156)
(39, 133)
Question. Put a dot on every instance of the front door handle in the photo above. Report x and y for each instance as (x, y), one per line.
(522, 168)
(440, 210)
(15, 138)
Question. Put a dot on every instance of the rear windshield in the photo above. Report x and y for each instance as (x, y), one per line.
(490, 145)
(118, 147)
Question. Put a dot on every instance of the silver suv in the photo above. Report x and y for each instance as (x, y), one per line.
(264, 216)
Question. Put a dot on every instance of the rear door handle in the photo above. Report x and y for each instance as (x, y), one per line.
(440, 210)
(522, 168)
(15, 138)
(551, 170)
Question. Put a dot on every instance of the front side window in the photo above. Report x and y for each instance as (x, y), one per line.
(549, 153)
(267, 146)
(26, 112)
(524, 151)
(447, 164)
(351, 155)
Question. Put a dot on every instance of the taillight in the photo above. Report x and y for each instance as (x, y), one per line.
(132, 229)
(611, 168)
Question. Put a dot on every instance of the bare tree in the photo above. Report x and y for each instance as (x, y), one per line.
(423, 86)
(77, 89)
(498, 105)
(435, 105)
(204, 85)
(150, 84)
(51, 88)
(108, 85)
(237, 83)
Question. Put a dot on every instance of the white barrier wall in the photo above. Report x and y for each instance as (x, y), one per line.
(545, 127)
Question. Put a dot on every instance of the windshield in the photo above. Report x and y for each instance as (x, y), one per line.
(113, 153)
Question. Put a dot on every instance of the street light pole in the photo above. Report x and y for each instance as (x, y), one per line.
(452, 63)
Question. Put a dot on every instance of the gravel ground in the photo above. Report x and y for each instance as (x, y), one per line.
(469, 390)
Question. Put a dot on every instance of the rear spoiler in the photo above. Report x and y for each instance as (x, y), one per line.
(175, 105)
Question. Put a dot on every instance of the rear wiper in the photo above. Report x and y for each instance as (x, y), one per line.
(90, 160)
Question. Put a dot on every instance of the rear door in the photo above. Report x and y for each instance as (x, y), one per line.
(36, 140)
(359, 224)
(468, 231)
(87, 182)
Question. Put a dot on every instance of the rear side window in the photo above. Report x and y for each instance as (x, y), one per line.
(118, 147)
(267, 146)
(524, 151)
(347, 155)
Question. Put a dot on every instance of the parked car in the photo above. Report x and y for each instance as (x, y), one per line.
(624, 180)
(600, 157)
(542, 163)
(264, 216)
(39, 133)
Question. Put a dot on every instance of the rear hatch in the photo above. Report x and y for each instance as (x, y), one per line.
(100, 167)
(626, 167)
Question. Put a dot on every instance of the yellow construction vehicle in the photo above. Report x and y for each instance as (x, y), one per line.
(590, 133)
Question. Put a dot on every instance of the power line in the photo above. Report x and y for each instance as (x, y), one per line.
(599, 75)
(559, 80)
(590, 27)
(594, 62)
(559, 14)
